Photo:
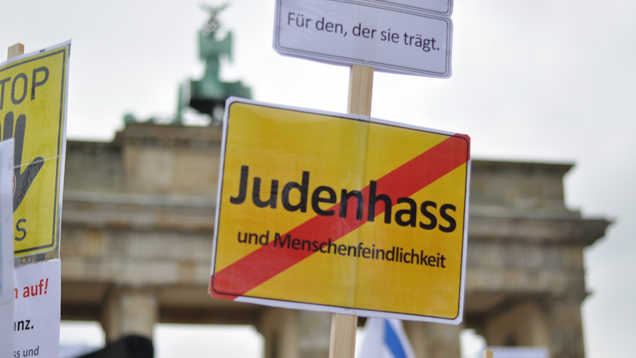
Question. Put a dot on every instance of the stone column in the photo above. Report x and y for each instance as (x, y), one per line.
(524, 324)
(566, 329)
(430, 340)
(314, 334)
(279, 327)
(129, 313)
(295, 334)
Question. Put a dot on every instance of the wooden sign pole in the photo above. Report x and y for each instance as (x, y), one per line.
(360, 90)
(342, 342)
(15, 50)
(343, 327)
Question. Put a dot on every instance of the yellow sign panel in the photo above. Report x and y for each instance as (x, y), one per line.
(340, 213)
(33, 112)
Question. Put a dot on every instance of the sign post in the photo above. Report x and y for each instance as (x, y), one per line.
(343, 327)
(15, 51)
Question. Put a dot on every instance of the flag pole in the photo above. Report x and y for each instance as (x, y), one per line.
(343, 327)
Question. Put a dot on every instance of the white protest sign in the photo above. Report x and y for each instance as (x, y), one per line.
(354, 33)
(37, 310)
(6, 249)
(439, 7)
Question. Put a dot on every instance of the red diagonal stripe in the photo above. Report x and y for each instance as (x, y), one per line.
(268, 261)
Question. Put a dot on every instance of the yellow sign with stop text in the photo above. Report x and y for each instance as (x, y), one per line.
(33, 91)
(340, 213)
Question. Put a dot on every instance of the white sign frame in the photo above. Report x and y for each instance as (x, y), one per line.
(434, 7)
(366, 34)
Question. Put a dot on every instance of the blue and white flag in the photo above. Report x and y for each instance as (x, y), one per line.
(385, 338)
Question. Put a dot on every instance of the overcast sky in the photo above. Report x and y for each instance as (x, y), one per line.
(540, 80)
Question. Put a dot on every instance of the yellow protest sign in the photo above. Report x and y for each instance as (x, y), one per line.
(33, 91)
(340, 213)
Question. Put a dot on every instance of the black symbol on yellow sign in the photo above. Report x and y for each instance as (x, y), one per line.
(23, 179)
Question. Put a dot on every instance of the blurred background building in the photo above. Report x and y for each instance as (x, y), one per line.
(137, 239)
(138, 224)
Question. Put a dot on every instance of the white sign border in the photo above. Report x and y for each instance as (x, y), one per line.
(392, 5)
